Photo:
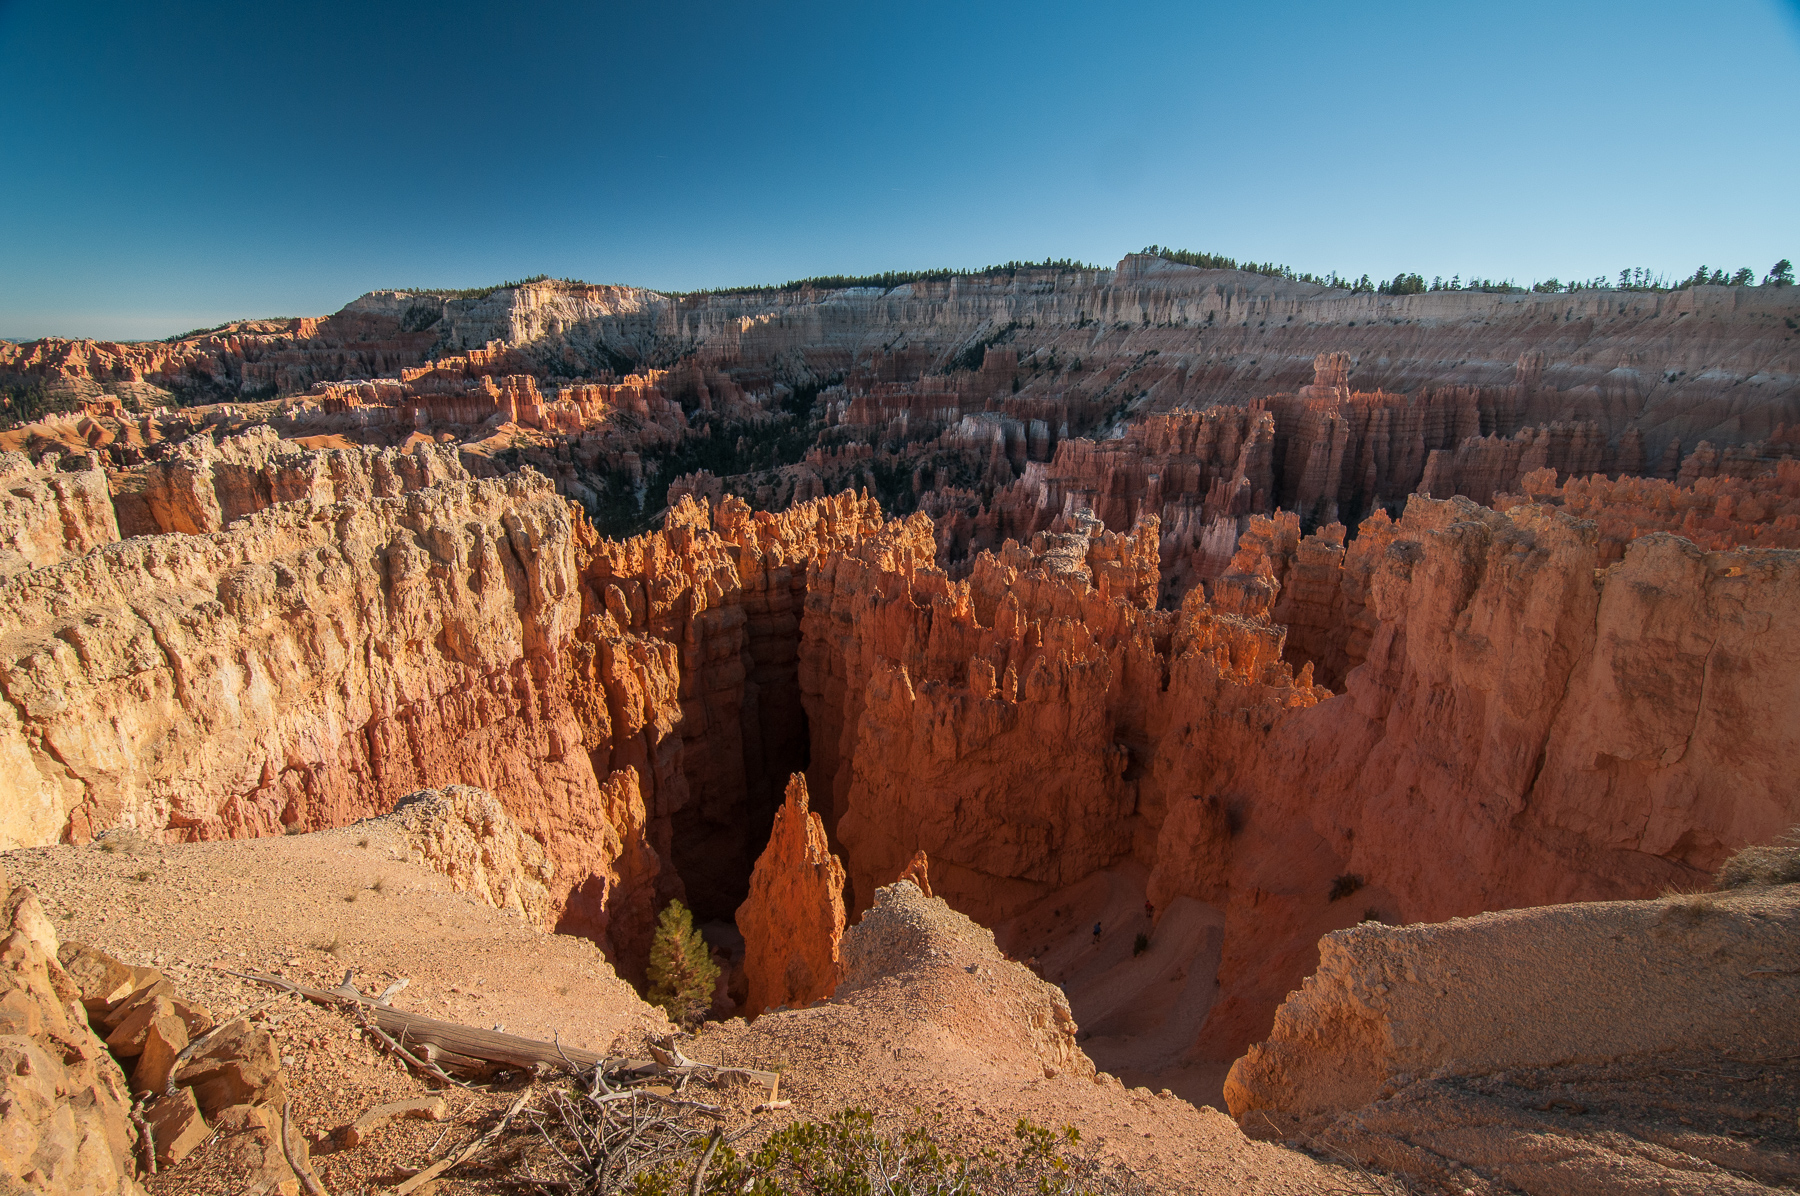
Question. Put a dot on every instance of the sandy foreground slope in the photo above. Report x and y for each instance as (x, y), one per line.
(929, 1035)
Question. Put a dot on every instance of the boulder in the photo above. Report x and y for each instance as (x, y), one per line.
(176, 1125)
(165, 1037)
(239, 1066)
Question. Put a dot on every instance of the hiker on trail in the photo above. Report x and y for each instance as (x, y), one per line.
(1149, 910)
(1096, 934)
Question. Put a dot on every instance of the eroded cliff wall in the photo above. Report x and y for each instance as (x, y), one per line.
(1520, 725)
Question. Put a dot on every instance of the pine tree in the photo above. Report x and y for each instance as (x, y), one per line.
(682, 973)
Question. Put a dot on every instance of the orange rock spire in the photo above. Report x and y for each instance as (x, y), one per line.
(794, 917)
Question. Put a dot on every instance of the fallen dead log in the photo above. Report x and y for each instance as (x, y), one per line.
(468, 1048)
(424, 1108)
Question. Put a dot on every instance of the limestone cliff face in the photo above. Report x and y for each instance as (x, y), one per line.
(687, 670)
(1562, 733)
(1009, 725)
(306, 667)
(794, 917)
(52, 510)
(202, 484)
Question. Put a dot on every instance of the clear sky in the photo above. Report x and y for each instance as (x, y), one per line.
(178, 164)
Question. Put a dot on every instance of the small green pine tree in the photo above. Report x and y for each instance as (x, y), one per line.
(682, 973)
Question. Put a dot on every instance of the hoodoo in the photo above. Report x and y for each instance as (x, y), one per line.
(793, 919)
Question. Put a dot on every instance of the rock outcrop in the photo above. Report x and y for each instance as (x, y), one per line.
(50, 511)
(1715, 513)
(910, 948)
(1008, 725)
(1437, 1049)
(469, 837)
(794, 917)
(1562, 731)
(308, 666)
(202, 485)
(686, 670)
(64, 1103)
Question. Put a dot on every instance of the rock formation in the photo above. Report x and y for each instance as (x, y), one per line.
(1437, 1049)
(1007, 724)
(912, 947)
(52, 510)
(1715, 513)
(1164, 647)
(794, 917)
(1597, 981)
(203, 485)
(917, 873)
(1069, 725)
(65, 1100)
(469, 837)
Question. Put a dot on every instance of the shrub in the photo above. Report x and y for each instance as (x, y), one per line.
(1775, 863)
(1140, 944)
(682, 973)
(1344, 885)
(846, 1156)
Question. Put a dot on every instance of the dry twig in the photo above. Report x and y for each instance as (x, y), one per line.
(146, 1138)
(468, 1152)
(309, 1183)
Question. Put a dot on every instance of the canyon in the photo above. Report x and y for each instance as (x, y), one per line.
(1104, 599)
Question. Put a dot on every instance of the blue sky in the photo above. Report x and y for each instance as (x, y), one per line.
(176, 165)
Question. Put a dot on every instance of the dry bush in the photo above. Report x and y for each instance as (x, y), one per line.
(1776, 863)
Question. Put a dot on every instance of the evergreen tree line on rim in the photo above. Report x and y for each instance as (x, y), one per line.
(1638, 278)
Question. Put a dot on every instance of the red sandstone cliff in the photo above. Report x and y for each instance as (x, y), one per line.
(1518, 728)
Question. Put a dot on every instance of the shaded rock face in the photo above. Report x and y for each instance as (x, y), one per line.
(794, 917)
(1519, 725)
(1010, 725)
(687, 670)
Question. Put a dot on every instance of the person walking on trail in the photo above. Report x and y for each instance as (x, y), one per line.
(1096, 934)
